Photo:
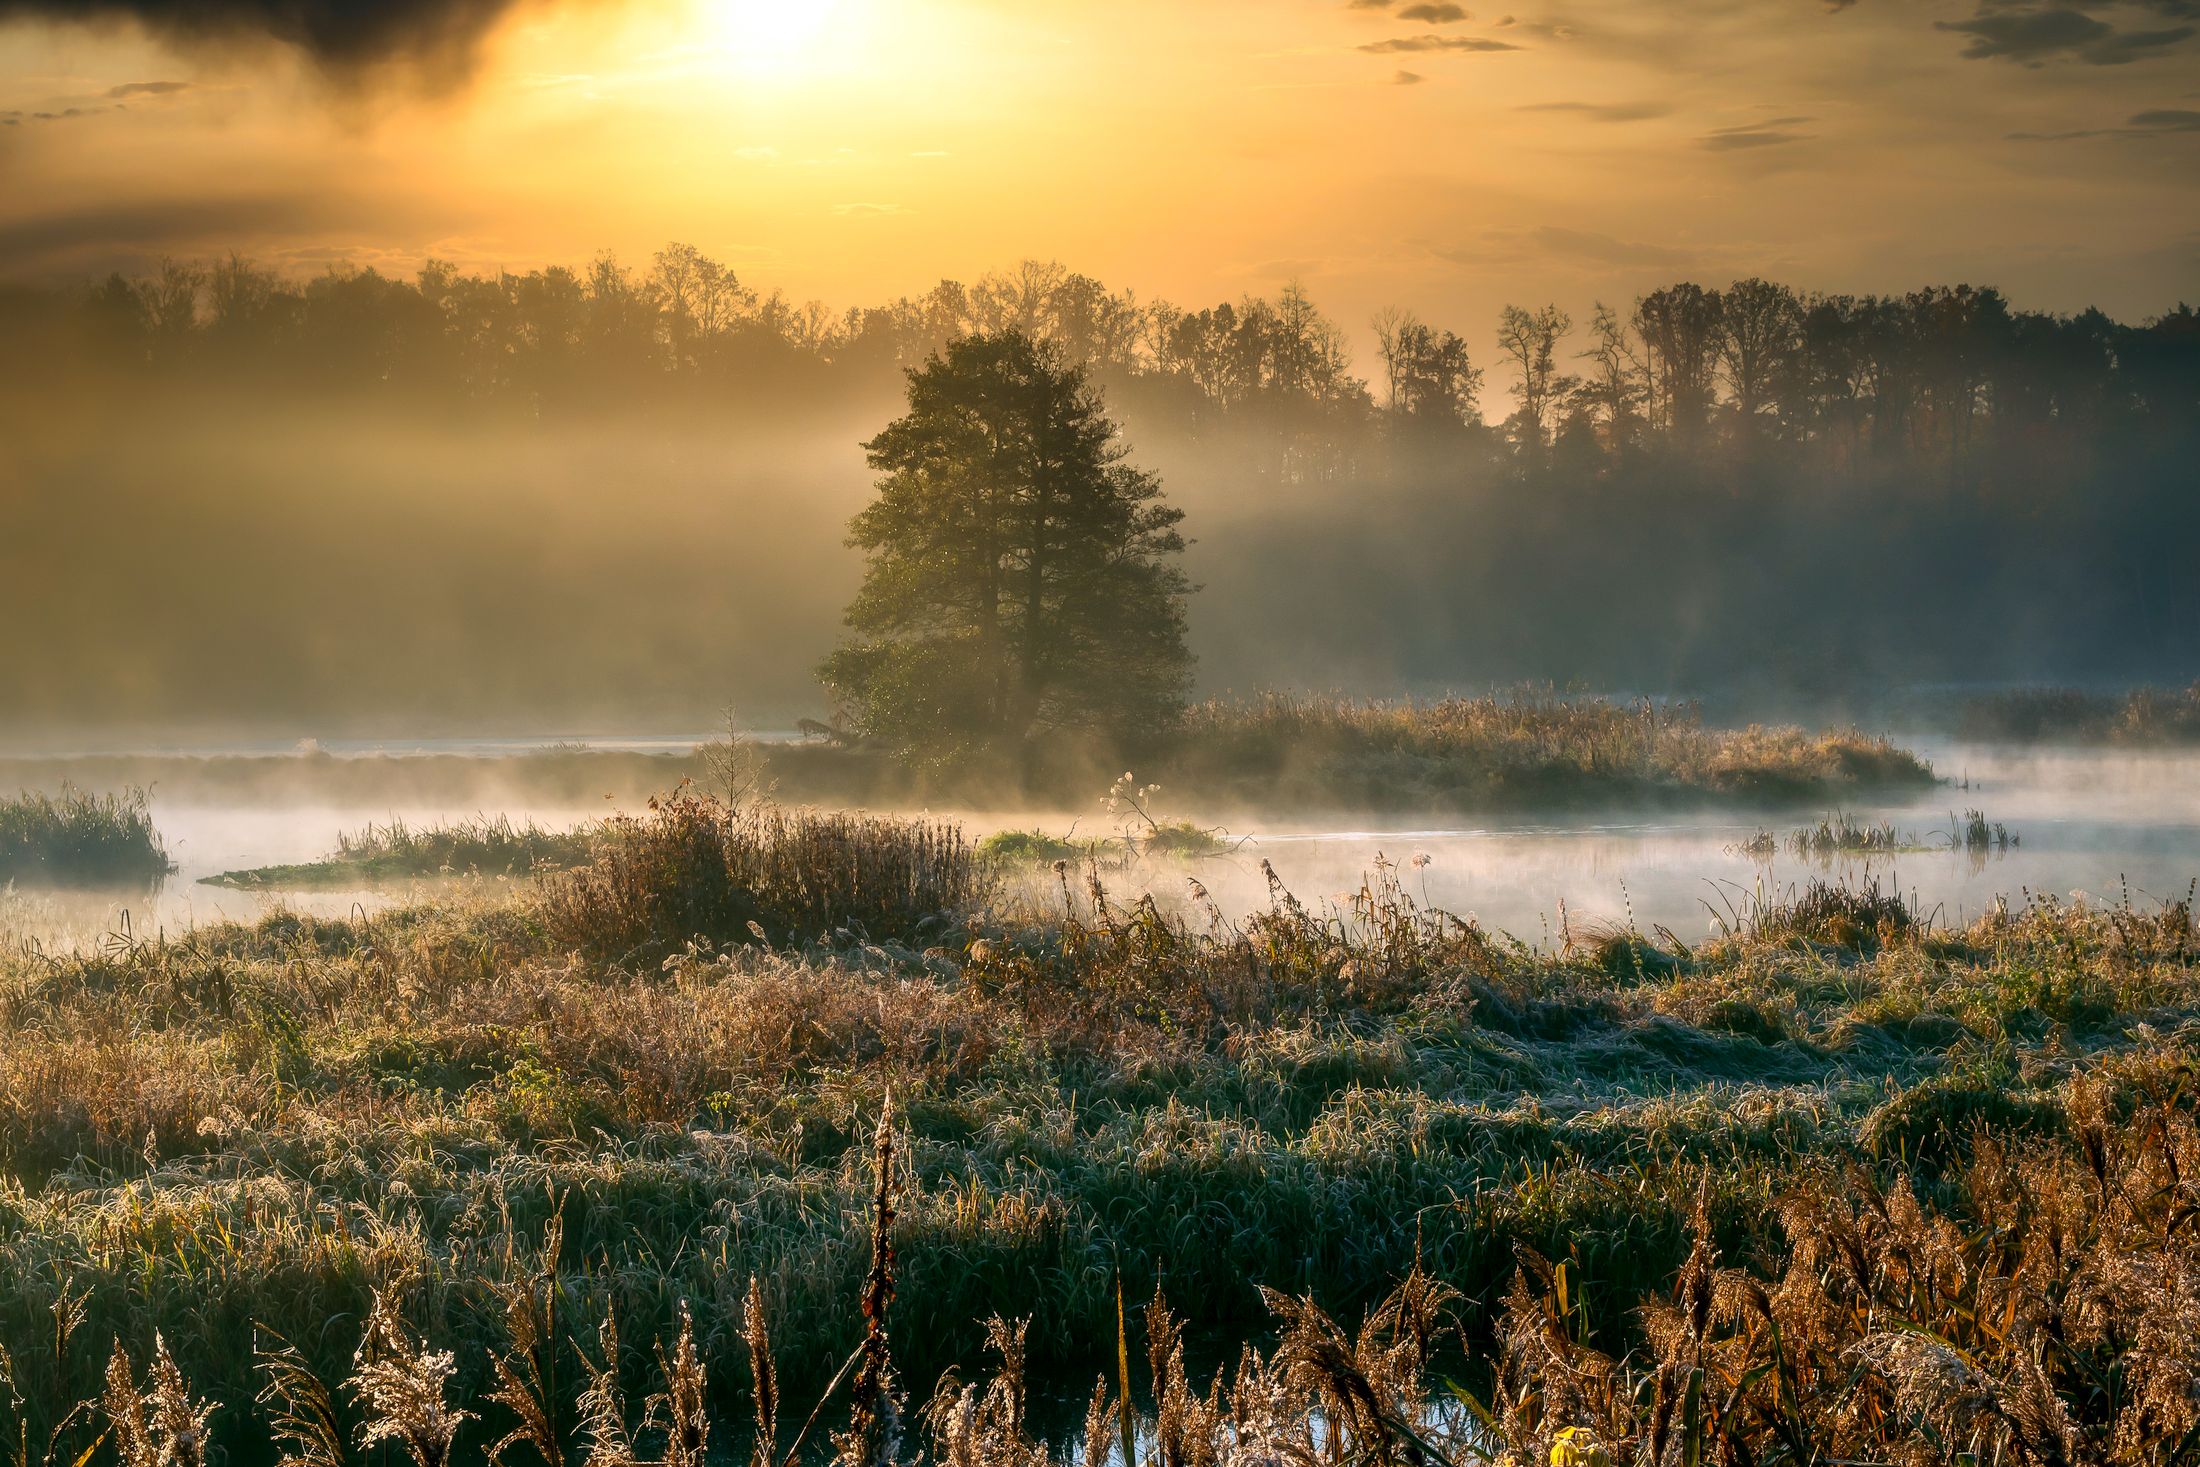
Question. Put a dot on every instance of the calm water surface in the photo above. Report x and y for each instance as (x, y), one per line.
(2091, 822)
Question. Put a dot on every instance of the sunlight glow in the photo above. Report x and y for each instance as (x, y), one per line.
(776, 37)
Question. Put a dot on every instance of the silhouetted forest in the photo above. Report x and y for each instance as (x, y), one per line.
(1751, 490)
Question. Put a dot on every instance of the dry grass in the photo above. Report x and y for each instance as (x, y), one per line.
(1741, 1200)
(694, 867)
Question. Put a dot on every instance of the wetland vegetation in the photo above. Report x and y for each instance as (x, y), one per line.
(1584, 1187)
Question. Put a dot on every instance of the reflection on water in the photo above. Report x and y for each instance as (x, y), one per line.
(2090, 822)
(206, 840)
(2087, 822)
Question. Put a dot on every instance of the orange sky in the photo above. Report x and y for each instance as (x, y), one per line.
(1194, 149)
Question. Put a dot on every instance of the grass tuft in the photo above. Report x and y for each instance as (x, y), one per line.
(80, 839)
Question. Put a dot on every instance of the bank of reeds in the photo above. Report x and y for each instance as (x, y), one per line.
(81, 839)
(1516, 751)
(1519, 750)
(2140, 718)
(486, 845)
(694, 867)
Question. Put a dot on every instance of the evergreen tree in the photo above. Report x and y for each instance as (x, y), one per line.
(1021, 576)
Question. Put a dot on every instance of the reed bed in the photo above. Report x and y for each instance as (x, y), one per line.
(1519, 750)
(2140, 718)
(486, 845)
(695, 867)
(1844, 835)
(80, 839)
(1830, 1183)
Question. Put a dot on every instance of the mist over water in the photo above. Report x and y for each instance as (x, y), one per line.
(2094, 824)
(2089, 822)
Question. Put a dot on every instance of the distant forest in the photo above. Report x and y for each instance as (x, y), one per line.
(1948, 380)
(1750, 489)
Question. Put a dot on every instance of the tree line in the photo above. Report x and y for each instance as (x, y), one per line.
(1934, 375)
(1747, 487)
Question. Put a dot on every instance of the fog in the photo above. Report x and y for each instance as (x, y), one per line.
(453, 517)
(2095, 825)
(241, 505)
(213, 576)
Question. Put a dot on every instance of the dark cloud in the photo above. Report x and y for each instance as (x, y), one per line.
(136, 230)
(1434, 14)
(2155, 122)
(148, 89)
(2035, 34)
(1407, 79)
(1605, 111)
(1436, 43)
(437, 38)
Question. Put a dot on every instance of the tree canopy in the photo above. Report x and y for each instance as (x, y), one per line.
(1021, 576)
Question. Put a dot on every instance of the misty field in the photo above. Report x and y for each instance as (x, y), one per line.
(938, 733)
(1832, 1182)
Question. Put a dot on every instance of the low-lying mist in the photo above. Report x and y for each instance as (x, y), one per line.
(235, 570)
(238, 507)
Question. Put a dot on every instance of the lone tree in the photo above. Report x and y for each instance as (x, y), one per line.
(1021, 575)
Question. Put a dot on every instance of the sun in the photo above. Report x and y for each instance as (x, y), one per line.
(774, 37)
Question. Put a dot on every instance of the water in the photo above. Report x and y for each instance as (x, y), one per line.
(206, 840)
(2095, 823)
(2092, 823)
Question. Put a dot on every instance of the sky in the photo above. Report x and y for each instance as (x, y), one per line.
(1444, 157)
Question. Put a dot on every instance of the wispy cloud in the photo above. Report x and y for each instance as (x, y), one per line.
(1409, 44)
(2153, 123)
(1588, 244)
(1769, 134)
(1605, 111)
(1558, 244)
(58, 114)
